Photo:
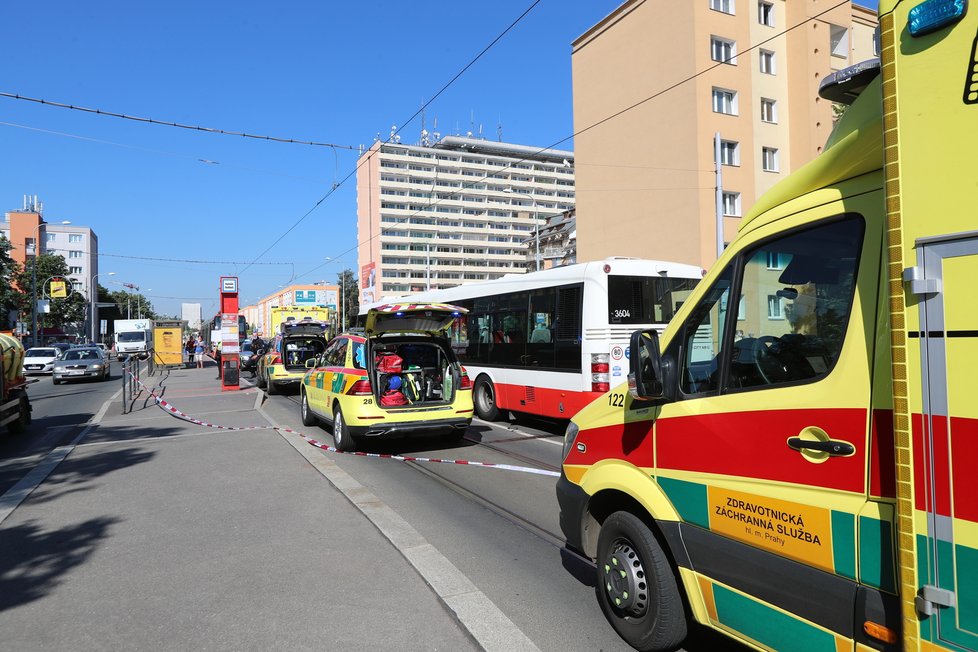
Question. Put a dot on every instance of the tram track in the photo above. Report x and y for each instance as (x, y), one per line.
(551, 538)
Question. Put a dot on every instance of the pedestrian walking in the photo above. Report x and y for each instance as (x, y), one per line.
(199, 354)
(190, 348)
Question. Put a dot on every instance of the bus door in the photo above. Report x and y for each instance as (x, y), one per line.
(766, 450)
(929, 55)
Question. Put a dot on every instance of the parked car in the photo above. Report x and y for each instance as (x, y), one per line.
(401, 379)
(40, 359)
(284, 363)
(82, 362)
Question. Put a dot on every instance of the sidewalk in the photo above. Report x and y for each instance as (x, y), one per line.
(155, 533)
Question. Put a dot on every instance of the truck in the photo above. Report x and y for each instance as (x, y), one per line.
(15, 405)
(132, 337)
(799, 473)
(279, 314)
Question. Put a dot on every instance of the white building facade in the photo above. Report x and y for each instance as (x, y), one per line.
(190, 313)
(454, 212)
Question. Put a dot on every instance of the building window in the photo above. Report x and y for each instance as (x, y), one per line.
(729, 152)
(765, 13)
(51, 237)
(74, 254)
(731, 204)
(725, 6)
(723, 50)
(876, 41)
(767, 62)
(776, 260)
(74, 270)
(74, 237)
(769, 110)
(724, 101)
(775, 307)
(839, 41)
(769, 158)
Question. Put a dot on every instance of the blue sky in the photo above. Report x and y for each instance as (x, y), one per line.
(338, 72)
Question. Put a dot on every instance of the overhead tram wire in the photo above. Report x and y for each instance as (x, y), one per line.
(579, 132)
(165, 123)
(397, 131)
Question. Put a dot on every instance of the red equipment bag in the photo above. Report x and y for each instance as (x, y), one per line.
(393, 397)
(389, 363)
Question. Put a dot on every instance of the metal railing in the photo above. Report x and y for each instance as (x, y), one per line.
(130, 382)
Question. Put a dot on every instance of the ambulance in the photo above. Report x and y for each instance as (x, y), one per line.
(794, 461)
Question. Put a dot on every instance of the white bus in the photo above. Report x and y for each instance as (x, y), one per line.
(548, 343)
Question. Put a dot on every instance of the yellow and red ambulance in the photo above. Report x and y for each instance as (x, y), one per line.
(793, 462)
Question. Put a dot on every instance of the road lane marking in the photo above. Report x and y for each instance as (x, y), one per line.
(480, 617)
(14, 496)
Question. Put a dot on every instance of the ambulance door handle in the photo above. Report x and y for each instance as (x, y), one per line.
(832, 447)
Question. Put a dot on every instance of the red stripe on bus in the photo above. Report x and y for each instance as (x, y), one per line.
(754, 445)
(545, 402)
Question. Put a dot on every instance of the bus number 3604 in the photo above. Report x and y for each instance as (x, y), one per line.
(622, 313)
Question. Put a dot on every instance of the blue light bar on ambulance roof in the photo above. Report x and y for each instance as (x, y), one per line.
(932, 15)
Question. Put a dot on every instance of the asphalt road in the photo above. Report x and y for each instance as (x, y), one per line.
(500, 528)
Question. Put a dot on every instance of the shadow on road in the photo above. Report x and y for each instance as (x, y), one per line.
(33, 560)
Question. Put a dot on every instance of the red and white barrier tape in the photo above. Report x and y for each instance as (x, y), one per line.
(169, 408)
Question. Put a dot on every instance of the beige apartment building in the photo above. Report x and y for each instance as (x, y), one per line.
(455, 211)
(746, 69)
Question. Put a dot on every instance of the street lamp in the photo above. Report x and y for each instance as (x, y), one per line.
(37, 251)
(536, 222)
(93, 298)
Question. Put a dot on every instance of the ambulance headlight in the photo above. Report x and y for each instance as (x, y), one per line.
(570, 435)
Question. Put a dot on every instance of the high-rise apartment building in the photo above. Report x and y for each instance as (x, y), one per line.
(190, 313)
(456, 211)
(748, 70)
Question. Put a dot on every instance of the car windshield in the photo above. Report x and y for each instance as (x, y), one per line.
(41, 353)
(139, 336)
(82, 354)
(245, 347)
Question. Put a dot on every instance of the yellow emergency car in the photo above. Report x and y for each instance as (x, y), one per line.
(401, 379)
(284, 363)
(792, 462)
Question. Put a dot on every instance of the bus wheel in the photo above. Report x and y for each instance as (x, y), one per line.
(636, 587)
(484, 397)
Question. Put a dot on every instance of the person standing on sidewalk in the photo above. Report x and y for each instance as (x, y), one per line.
(199, 354)
(190, 348)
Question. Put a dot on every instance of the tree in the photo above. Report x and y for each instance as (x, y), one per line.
(10, 297)
(350, 296)
(64, 312)
(131, 304)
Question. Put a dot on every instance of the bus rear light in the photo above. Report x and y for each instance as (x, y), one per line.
(601, 388)
(465, 382)
(600, 368)
(360, 388)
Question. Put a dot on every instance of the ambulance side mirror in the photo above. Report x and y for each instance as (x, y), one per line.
(311, 363)
(646, 368)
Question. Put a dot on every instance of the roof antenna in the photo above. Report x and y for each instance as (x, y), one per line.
(499, 129)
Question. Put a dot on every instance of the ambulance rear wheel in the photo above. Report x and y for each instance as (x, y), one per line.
(484, 398)
(342, 439)
(635, 585)
(261, 380)
(270, 388)
(308, 418)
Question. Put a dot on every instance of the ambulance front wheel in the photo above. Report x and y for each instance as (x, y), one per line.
(484, 398)
(636, 587)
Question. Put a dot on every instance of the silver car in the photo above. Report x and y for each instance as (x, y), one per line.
(83, 362)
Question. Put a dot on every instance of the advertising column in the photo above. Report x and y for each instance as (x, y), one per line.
(230, 349)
